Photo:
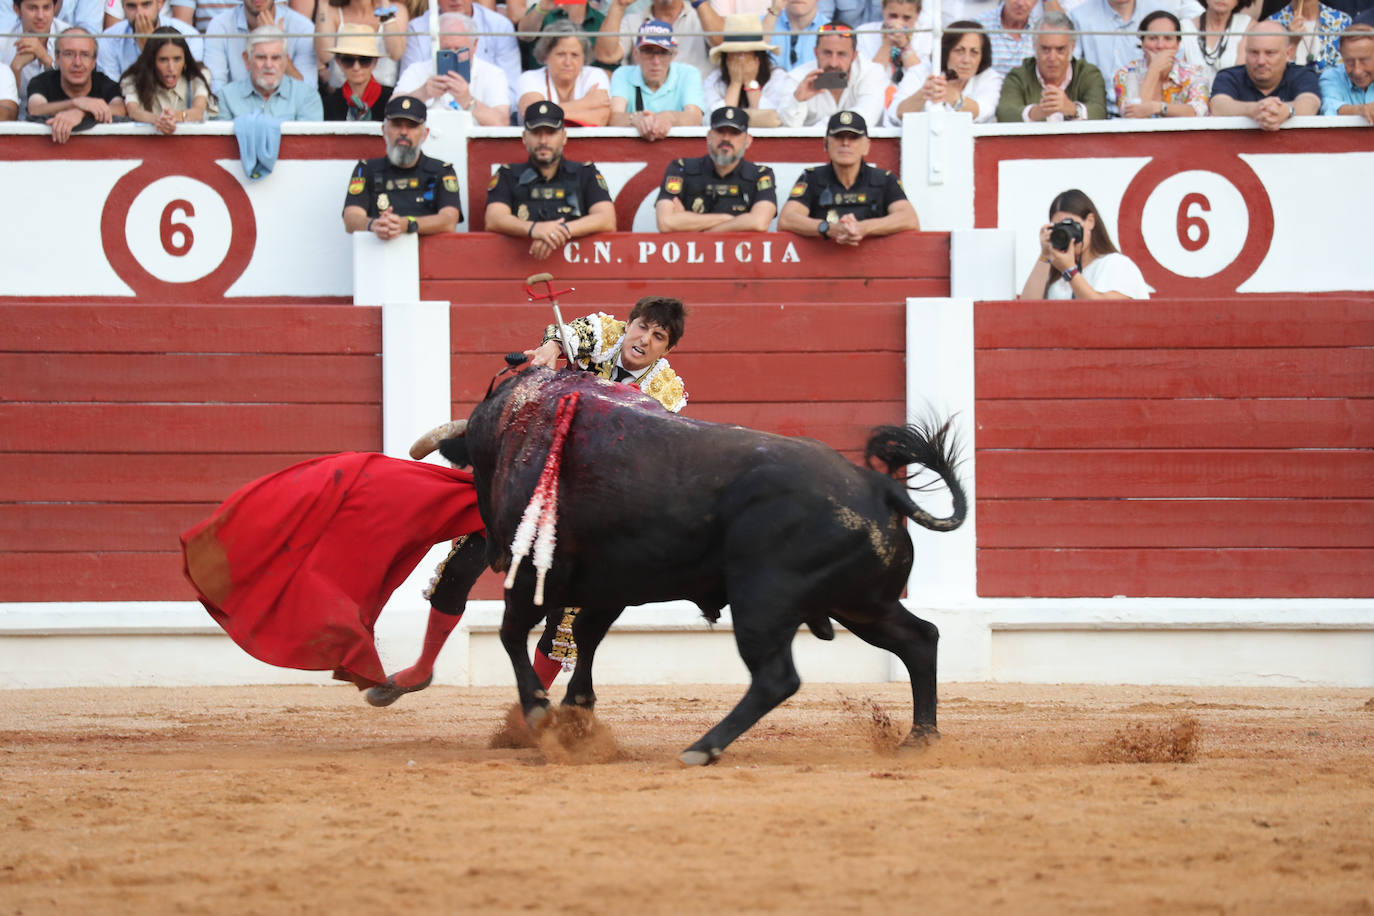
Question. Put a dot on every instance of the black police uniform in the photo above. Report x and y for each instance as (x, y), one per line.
(826, 199)
(569, 194)
(701, 190)
(421, 190)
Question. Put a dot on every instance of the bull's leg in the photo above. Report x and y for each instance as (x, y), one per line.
(520, 617)
(588, 630)
(767, 652)
(448, 598)
(915, 642)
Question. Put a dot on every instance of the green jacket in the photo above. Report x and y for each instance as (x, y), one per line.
(1022, 88)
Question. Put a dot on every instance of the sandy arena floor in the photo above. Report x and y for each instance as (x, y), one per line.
(305, 800)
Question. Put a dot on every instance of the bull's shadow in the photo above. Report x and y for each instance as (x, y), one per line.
(652, 506)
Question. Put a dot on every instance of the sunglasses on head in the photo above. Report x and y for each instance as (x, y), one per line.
(844, 30)
(352, 60)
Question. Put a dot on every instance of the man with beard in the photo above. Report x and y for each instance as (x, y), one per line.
(847, 200)
(721, 191)
(405, 191)
(267, 88)
(547, 198)
(837, 80)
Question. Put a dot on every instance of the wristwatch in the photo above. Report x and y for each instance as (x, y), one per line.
(412, 225)
(753, 86)
(823, 229)
(1069, 274)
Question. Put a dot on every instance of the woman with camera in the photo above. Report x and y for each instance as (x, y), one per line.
(1077, 257)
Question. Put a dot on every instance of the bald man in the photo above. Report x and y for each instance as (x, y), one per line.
(1267, 89)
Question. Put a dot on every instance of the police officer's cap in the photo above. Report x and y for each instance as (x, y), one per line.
(729, 116)
(407, 107)
(543, 114)
(846, 122)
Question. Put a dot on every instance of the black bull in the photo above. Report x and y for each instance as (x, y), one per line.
(655, 507)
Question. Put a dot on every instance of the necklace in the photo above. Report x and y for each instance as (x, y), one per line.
(1212, 58)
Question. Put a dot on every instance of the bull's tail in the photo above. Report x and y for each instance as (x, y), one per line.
(931, 444)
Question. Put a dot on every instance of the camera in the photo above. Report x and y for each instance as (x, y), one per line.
(1064, 233)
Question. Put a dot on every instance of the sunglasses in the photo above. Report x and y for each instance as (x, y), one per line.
(347, 61)
(833, 29)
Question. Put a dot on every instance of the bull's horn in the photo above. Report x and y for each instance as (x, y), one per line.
(538, 278)
(427, 443)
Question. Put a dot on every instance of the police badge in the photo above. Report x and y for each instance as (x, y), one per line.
(832, 216)
(698, 206)
(522, 211)
(383, 202)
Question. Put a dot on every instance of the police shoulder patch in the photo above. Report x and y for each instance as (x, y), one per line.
(673, 185)
(799, 188)
(357, 184)
(765, 182)
(495, 177)
(450, 183)
(601, 182)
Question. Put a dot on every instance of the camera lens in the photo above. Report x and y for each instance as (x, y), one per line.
(1059, 239)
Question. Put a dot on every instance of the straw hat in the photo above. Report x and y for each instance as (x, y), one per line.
(355, 39)
(743, 32)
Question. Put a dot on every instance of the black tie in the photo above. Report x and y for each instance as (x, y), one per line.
(621, 374)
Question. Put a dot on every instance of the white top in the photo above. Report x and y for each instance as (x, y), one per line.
(488, 84)
(1190, 49)
(984, 88)
(1107, 273)
(869, 38)
(9, 89)
(865, 94)
(774, 93)
(500, 48)
(33, 67)
(174, 98)
(538, 81)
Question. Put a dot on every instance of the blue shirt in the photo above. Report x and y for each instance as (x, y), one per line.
(680, 89)
(1338, 90)
(796, 50)
(224, 56)
(1109, 53)
(1236, 83)
(117, 54)
(293, 101)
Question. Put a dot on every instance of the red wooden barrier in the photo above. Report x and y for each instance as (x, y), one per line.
(1191, 448)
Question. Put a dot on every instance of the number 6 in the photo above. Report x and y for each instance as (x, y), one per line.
(169, 229)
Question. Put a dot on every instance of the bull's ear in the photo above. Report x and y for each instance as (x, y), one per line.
(455, 451)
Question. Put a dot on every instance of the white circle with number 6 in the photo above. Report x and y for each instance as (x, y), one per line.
(178, 229)
(1195, 223)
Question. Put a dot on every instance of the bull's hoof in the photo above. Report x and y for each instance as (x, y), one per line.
(581, 700)
(693, 758)
(390, 692)
(535, 714)
(921, 738)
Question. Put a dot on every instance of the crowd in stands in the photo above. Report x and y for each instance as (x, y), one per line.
(659, 64)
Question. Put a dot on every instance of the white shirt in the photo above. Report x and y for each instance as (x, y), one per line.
(502, 50)
(588, 78)
(9, 89)
(488, 84)
(984, 88)
(1107, 273)
(865, 94)
(33, 67)
(774, 93)
(1227, 51)
(870, 38)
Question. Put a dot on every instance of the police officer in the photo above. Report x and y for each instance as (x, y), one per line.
(547, 198)
(404, 191)
(721, 191)
(847, 200)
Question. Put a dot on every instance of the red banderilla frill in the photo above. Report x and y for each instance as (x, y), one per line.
(539, 524)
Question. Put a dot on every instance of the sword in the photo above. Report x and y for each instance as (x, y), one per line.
(552, 295)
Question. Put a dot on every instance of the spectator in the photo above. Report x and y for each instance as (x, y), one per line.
(165, 86)
(404, 192)
(656, 94)
(1320, 27)
(89, 14)
(224, 56)
(1087, 266)
(76, 95)
(802, 16)
(540, 15)
(9, 95)
(1011, 28)
(200, 13)
(483, 92)
(583, 92)
(1120, 19)
(497, 45)
(267, 89)
(1349, 90)
(746, 77)
(847, 200)
(1365, 18)
(361, 97)
(861, 85)
(390, 22)
(25, 58)
(1212, 53)
(965, 81)
(898, 42)
(721, 191)
(1268, 89)
(687, 19)
(547, 198)
(1158, 85)
(1052, 86)
(119, 49)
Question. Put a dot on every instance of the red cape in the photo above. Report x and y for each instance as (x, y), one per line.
(296, 566)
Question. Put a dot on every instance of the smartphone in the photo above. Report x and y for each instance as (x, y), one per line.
(832, 79)
(450, 61)
(951, 75)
